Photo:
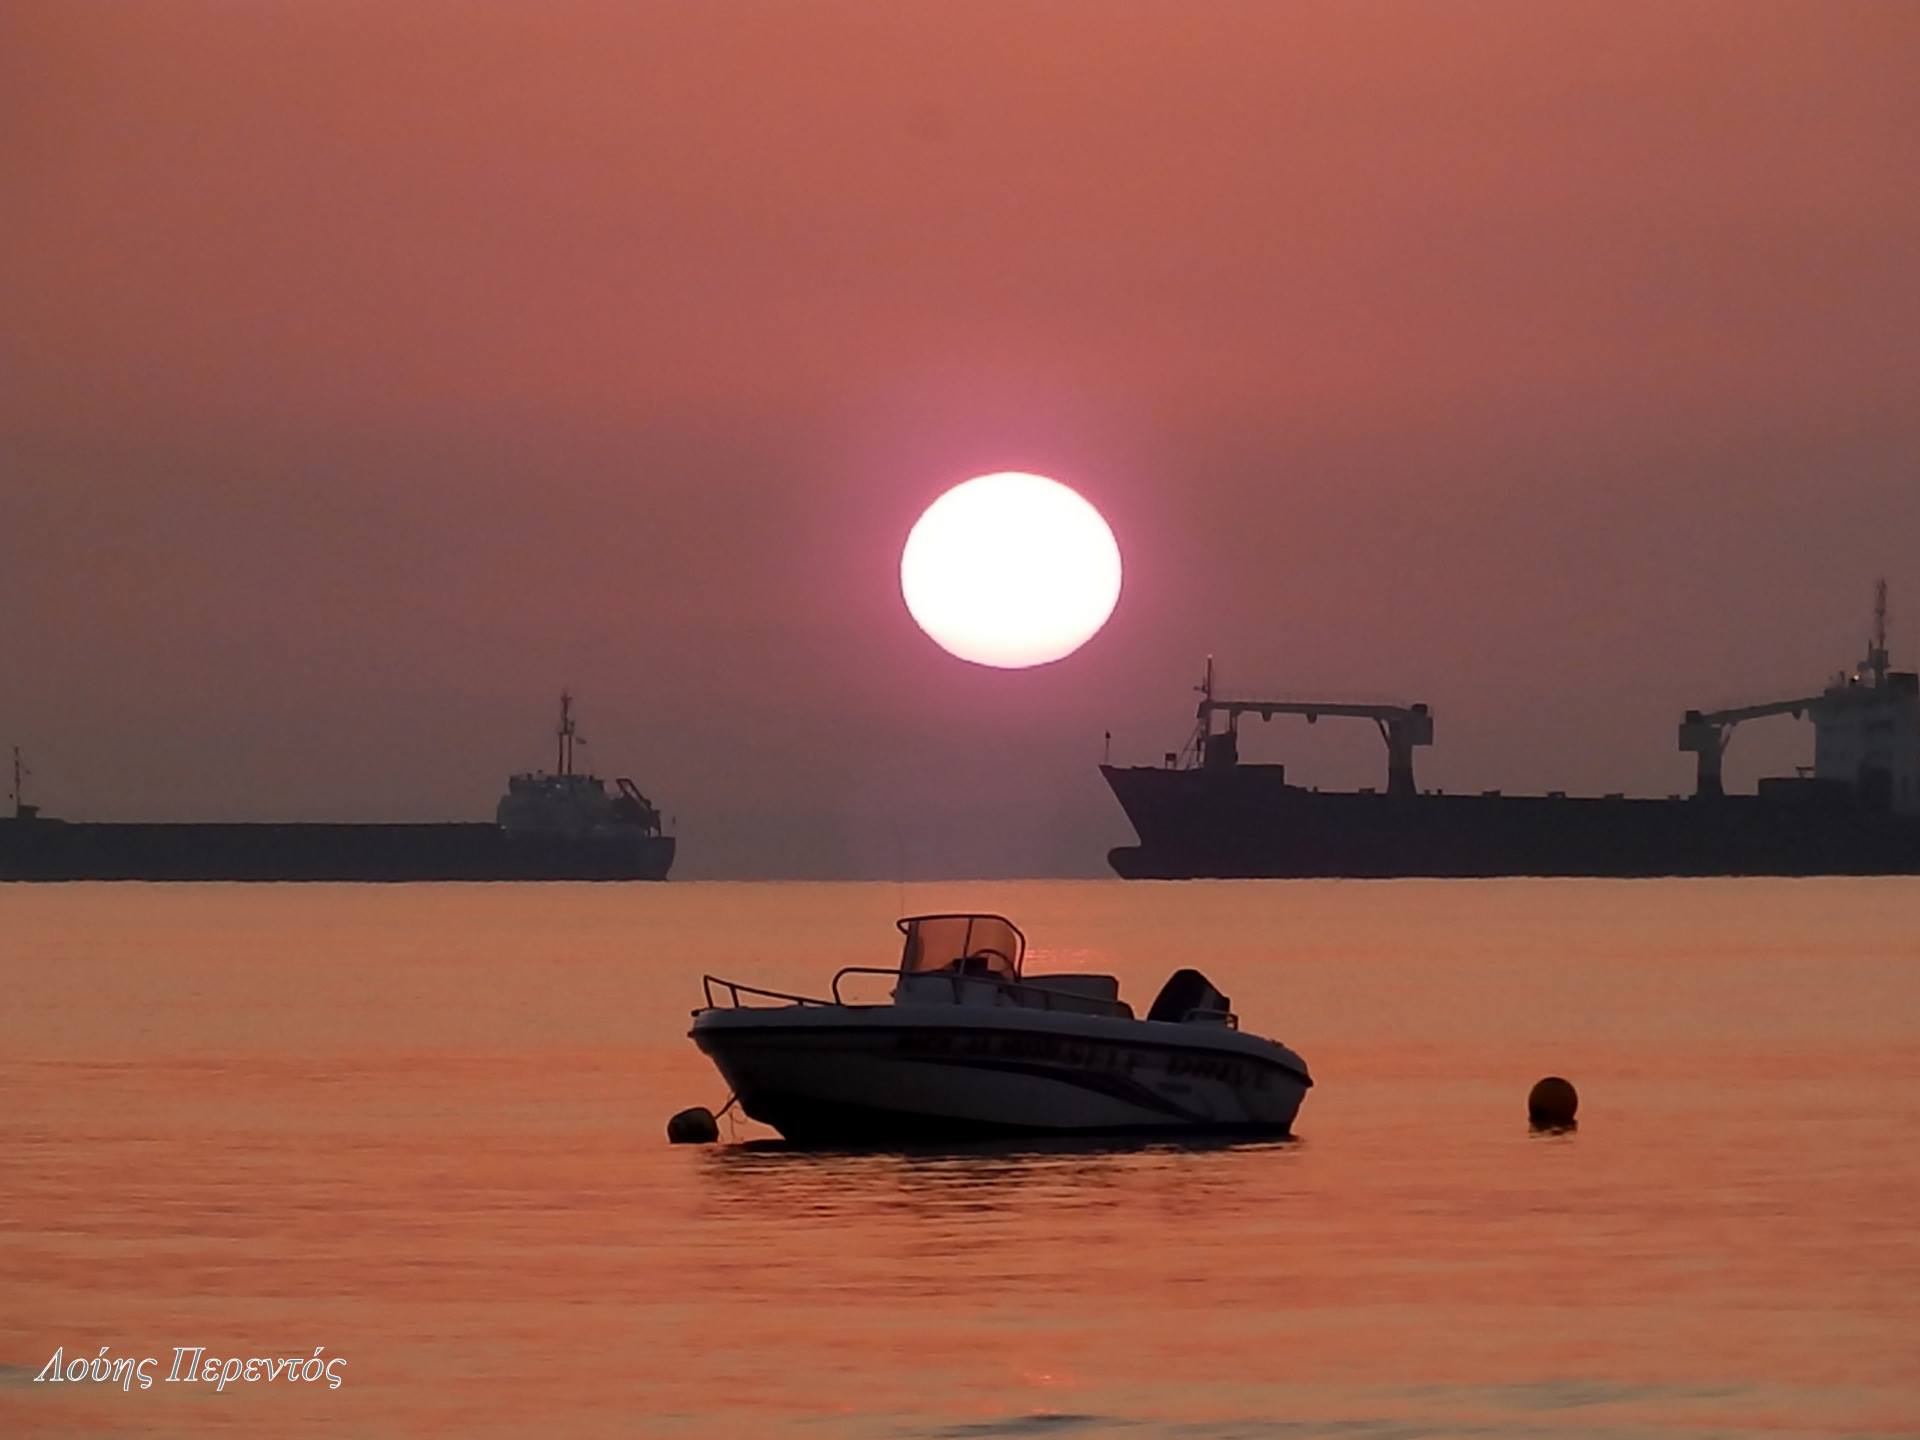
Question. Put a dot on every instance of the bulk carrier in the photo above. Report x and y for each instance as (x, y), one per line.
(558, 826)
(1854, 811)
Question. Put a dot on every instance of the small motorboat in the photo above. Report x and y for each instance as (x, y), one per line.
(965, 1045)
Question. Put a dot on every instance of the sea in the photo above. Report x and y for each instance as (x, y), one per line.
(416, 1133)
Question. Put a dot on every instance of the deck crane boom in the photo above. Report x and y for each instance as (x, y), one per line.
(1706, 733)
(1402, 726)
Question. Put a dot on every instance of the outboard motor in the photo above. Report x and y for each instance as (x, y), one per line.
(1185, 993)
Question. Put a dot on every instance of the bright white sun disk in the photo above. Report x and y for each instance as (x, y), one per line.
(1010, 570)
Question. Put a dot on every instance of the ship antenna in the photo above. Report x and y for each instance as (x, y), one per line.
(1203, 717)
(1205, 687)
(565, 734)
(1877, 651)
(16, 779)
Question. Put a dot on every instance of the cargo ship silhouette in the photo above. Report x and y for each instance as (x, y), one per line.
(1205, 814)
(559, 826)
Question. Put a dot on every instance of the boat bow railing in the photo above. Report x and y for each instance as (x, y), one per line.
(734, 990)
(1028, 993)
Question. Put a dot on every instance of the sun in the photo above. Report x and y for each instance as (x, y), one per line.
(1010, 570)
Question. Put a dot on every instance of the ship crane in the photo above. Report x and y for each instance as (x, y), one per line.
(1402, 726)
(1706, 732)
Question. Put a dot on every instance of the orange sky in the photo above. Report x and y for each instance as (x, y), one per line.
(364, 376)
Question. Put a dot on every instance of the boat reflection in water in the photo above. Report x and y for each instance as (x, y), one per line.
(969, 1047)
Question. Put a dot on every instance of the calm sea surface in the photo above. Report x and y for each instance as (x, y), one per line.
(421, 1126)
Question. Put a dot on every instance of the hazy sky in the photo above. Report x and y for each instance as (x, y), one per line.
(368, 371)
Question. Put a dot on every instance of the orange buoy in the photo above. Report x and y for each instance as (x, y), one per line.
(1551, 1104)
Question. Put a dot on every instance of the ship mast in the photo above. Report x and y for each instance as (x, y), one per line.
(1877, 647)
(564, 735)
(1203, 726)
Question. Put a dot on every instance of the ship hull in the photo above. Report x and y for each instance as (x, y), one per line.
(1246, 822)
(40, 849)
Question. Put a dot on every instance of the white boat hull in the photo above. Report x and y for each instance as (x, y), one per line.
(829, 1074)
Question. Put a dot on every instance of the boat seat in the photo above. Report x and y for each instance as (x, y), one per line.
(960, 983)
(1082, 993)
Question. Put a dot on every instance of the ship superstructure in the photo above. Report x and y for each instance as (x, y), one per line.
(569, 803)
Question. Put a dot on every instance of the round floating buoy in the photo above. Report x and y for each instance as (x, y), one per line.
(1551, 1104)
(693, 1127)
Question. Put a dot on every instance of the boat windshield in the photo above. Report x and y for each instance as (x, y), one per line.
(985, 944)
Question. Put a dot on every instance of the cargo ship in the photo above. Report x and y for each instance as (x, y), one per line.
(1204, 813)
(548, 826)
